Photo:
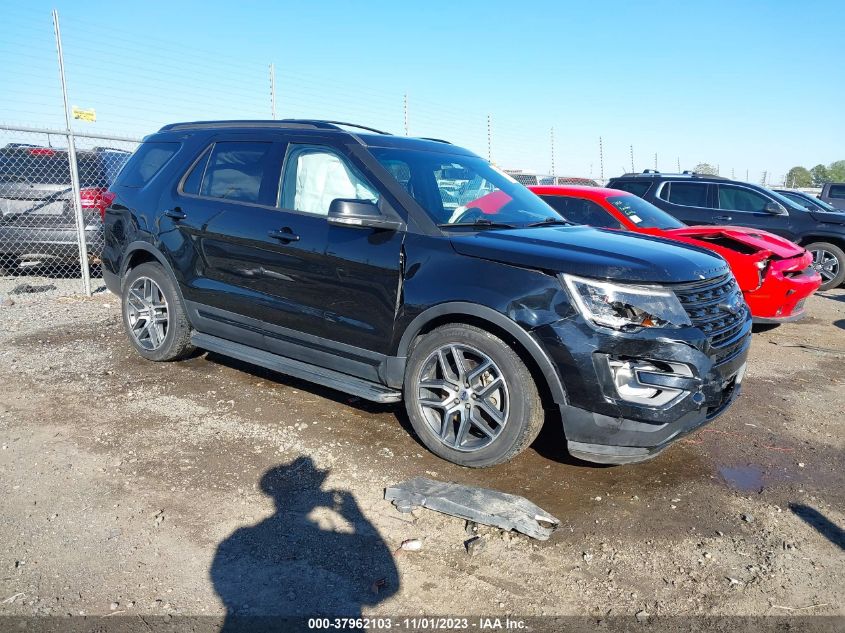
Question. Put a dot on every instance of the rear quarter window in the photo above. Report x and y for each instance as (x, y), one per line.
(147, 161)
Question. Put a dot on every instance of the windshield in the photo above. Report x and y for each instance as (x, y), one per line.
(460, 190)
(644, 214)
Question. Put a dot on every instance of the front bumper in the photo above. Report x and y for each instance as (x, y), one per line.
(783, 291)
(601, 425)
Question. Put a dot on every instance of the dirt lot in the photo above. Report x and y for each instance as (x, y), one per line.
(211, 487)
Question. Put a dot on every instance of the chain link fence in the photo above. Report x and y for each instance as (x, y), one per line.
(54, 190)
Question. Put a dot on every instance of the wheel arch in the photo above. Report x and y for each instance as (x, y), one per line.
(541, 367)
(140, 252)
(837, 240)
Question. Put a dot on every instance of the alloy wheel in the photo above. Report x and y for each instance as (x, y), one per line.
(147, 314)
(826, 263)
(463, 397)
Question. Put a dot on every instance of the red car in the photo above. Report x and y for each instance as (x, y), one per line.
(774, 274)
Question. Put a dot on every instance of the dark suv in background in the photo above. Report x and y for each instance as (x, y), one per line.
(701, 199)
(398, 268)
(37, 217)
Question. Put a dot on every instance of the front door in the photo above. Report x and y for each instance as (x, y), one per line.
(357, 282)
(743, 206)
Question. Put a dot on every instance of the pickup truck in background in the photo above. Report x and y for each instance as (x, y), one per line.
(834, 194)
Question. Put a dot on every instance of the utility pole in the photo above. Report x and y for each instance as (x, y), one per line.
(655, 161)
(601, 161)
(746, 174)
(679, 164)
(554, 174)
(489, 139)
(406, 114)
(632, 159)
(732, 173)
(74, 169)
(273, 92)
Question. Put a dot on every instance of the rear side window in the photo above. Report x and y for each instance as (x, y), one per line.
(741, 199)
(688, 194)
(638, 188)
(146, 162)
(836, 191)
(236, 170)
(581, 211)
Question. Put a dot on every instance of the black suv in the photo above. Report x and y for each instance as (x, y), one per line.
(702, 199)
(37, 218)
(398, 268)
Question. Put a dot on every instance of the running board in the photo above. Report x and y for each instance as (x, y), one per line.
(319, 375)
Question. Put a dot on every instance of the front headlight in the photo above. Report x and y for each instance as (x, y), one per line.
(623, 306)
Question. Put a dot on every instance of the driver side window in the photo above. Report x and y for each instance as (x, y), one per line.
(741, 199)
(315, 175)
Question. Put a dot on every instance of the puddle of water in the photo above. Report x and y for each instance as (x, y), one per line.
(744, 478)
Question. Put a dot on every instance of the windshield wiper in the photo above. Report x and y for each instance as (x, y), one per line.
(551, 222)
(477, 224)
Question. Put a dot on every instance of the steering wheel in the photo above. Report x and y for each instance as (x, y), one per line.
(469, 215)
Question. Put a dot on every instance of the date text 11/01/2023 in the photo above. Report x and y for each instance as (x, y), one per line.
(418, 623)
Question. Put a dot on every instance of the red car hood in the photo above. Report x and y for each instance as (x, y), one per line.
(753, 238)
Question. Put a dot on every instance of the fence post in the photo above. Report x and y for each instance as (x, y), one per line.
(74, 169)
(273, 91)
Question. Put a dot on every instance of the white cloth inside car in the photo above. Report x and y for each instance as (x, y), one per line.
(322, 177)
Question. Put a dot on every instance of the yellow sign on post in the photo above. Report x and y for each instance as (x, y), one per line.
(84, 115)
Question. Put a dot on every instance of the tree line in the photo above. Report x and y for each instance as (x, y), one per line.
(817, 176)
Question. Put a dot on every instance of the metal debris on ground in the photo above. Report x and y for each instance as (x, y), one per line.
(475, 545)
(479, 505)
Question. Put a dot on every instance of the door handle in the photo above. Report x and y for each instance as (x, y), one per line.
(284, 235)
(176, 214)
(723, 218)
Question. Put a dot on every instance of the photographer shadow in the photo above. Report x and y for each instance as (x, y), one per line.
(317, 555)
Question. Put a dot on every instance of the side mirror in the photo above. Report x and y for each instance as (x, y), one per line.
(775, 209)
(362, 214)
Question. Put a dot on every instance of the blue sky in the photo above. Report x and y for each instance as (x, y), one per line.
(744, 85)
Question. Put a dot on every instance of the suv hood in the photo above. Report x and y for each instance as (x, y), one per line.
(829, 217)
(589, 252)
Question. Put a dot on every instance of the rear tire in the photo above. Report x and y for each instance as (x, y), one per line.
(153, 314)
(829, 261)
(470, 398)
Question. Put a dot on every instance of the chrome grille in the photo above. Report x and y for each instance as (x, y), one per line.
(704, 302)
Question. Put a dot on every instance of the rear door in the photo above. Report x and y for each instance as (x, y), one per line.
(688, 200)
(268, 260)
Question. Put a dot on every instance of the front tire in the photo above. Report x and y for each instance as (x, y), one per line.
(829, 261)
(153, 314)
(470, 398)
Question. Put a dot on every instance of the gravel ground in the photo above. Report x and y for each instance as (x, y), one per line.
(209, 487)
